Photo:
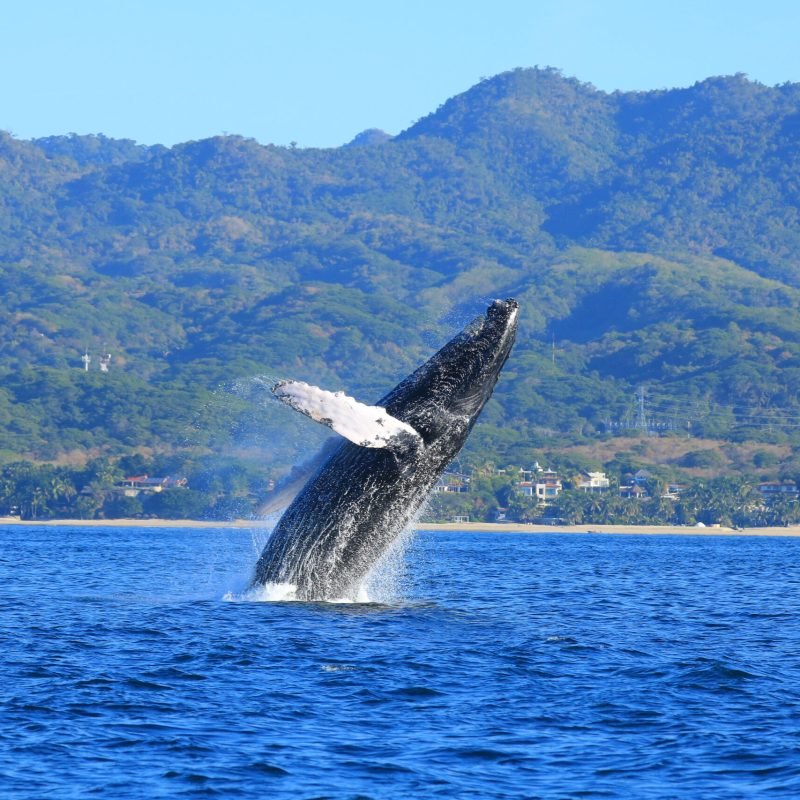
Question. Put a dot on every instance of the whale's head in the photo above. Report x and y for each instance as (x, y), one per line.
(448, 392)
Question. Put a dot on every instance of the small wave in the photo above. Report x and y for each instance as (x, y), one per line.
(483, 754)
(718, 672)
(361, 597)
(175, 673)
(268, 593)
(388, 767)
(417, 691)
(138, 683)
(287, 593)
(269, 769)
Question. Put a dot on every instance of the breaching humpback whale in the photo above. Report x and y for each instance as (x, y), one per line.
(371, 486)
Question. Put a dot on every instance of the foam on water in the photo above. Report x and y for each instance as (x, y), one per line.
(287, 593)
(270, 593)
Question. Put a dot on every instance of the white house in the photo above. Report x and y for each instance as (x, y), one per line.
(593, 482)
(545, 487)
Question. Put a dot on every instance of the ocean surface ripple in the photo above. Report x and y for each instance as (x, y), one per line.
(496, 666)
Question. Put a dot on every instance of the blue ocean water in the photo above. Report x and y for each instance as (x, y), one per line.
(505, 666)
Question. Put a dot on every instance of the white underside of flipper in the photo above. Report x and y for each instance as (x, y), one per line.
(366, 426)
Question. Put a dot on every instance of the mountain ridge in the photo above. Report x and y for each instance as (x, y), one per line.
(650, 237)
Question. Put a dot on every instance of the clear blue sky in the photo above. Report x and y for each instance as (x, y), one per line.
(319, 71)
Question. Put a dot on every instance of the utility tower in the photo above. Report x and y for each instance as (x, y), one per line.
(87, 359)
(637, 420)
(641, 414)
(105, 362)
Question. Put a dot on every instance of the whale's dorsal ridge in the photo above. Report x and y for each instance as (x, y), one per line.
(364, 425)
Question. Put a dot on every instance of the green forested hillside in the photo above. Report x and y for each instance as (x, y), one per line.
(651, 238)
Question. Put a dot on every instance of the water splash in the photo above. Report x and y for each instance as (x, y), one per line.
(385, 584)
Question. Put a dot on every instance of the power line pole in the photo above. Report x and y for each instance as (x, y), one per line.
(641, 416)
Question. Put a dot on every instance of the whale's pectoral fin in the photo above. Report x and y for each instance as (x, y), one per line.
(366, 426)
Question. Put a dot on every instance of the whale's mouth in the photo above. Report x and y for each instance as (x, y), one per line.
(504, 314)
(505, 309)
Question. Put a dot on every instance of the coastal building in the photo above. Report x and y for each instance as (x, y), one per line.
(530, 474)
(633, 491)
(641, 477)
(593, 482)
(135, 485)
(545, 486)
(548, 486)
(778, 489)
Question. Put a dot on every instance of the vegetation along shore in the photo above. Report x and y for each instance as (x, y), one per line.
(103, 490)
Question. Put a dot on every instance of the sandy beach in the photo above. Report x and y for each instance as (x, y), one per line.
(473, 527)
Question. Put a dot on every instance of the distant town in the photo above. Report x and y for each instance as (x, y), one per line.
(542, 495)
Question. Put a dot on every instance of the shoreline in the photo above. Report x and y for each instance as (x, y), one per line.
(467, 527)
